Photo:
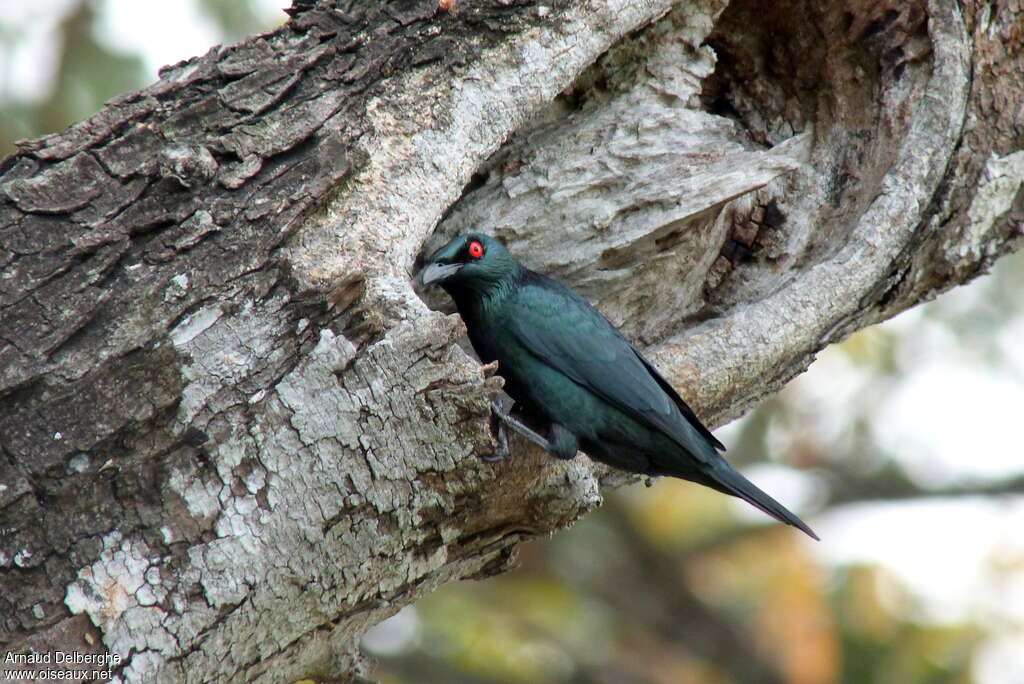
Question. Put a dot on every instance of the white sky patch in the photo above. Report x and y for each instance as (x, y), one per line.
(28, 33)
(951, 416)
(397, 634)
(942, 551)
(830, 392)
(184, 31)
(1011, 343)
(1002, 660)
(947, 422)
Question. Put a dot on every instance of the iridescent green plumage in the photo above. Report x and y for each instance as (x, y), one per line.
(573, 372)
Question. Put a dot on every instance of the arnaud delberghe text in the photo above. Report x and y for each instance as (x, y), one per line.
(63, 658)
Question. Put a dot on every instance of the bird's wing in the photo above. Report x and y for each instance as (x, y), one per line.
(567, 333)
(683, 407)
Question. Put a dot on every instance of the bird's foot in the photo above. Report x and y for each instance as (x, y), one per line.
(502, 437)
(505, 419)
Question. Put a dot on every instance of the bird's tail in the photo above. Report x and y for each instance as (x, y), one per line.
(726, 479)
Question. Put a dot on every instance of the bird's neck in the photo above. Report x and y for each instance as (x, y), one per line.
(480, 302)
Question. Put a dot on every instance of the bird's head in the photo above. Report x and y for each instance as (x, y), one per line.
(469, 262)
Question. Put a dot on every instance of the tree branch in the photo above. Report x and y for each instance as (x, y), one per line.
(892, 484)
(233, 436)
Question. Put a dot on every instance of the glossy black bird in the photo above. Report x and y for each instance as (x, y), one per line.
(569, 369)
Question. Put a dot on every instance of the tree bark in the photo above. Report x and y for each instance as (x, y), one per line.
(234, 437)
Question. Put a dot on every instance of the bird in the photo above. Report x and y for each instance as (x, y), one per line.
(574, 376)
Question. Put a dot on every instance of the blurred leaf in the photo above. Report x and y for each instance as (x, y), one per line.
(675, 514)
(882, 645)
(769, 582)
(873, 347)
(88, 74)
(474, 636)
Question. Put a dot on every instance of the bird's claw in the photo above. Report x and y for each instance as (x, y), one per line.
(502, 436)
(505, 419)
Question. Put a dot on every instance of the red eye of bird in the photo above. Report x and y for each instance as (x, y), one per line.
(476, 250)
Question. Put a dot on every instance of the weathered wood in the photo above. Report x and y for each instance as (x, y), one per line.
(234, 438)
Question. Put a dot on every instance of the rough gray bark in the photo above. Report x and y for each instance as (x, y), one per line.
(233, 436)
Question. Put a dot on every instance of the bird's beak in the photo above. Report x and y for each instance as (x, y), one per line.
(437, 272)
